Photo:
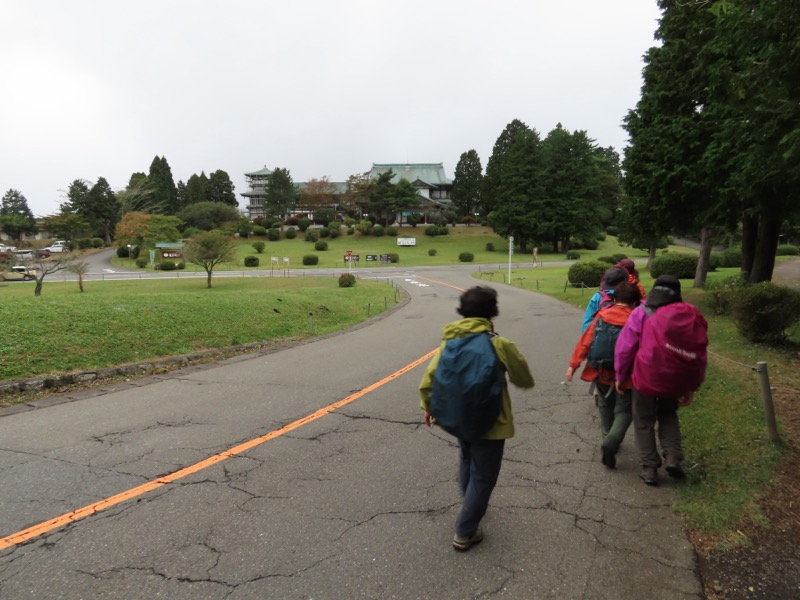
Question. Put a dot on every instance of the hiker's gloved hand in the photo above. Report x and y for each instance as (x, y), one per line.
(570, 373)
(428, 418)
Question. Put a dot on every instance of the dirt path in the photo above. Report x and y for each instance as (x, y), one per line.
(788, 273)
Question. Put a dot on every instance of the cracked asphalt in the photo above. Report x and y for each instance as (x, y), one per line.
(359, 503)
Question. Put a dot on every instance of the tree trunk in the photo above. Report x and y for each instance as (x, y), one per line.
(37, 291)
(769, 228)
(80, 282)
(555, 243)
(749, 242)
(208, 280)
(651, 255)
(706, 236)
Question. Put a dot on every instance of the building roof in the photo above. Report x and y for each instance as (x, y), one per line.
(265, 172)
(430, 173)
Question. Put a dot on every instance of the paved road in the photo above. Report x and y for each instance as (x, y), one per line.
(358, 503)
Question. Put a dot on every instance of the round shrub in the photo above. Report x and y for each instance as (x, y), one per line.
(259, 231)
(764, 311)
(324, 232)
(787, 250)
(432, 230)
(613, 259)
(251, 261)
(489, 247)
(347, 280)
(394, 257)
(258, 246)
(291, 233)
(732, 258)
(432, 252)
(588, 273)
(443, 230)
(715, 261)
(612, 230)
(276, 225)
(141, 262)
(350, 230)
(391, 231)
(378, 230)
(123, 252)
(312, 235)
(719, 295)
(273, 235)
(181, 265)
(334, 233)
(466, 257)
(98, 242)
(167, 265)
(573, 255)
(310, 259)
(303, 223)
(321, 245)
(601, 237)
(682, 266)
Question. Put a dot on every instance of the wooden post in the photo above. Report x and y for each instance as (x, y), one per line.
(766, 396)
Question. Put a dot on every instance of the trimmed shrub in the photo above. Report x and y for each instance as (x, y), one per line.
(394, 257)
(141, 262)
(123, 252)
(787, 250)
(321, 245)
(251, 261)
(258, 247)
(351, 231)
(291, 233)
(489, 247)
(294, 221)
(719, 295)
(588, 273)
(391, 231)
(259, 231)
(181, 265)
(764, 311)
(612, 259)
(715, 261)
(273, 235)
(443, 230)
(85, 243)
(190, 231)
(732, 258)
(324, 232)
(303, 224)
(378, 230)
(432, 252)
(167, 265)
(276, 225)
(334, 233)
(682, 266)
(98, 242)
(364, 227)
(466, 257)
(347, 280)
(432, 230)
(573, 255)
(601, 237)
(612, 230)
(312, 235)
(310, 259)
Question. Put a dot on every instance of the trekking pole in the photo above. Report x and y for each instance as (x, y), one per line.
(766, 396)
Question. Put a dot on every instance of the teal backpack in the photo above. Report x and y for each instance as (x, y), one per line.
(601, 352)
(467, 393)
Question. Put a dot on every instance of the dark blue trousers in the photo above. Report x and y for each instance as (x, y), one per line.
(478, 467)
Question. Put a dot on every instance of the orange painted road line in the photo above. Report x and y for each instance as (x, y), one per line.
(440, 282)
(70, 517)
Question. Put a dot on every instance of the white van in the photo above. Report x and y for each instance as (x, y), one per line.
(58, 246)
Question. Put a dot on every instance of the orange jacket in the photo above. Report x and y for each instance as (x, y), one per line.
(613, 315)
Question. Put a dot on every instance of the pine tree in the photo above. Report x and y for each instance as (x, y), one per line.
(220, 189)
(467, 184)
(165, 193)
(16, 218)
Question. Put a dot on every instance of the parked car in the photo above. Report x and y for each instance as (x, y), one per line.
(57, 247)
(19, 273)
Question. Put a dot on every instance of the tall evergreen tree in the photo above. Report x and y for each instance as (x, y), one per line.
(196, 189)
(102, 210)
(220, 189)
(165, 193)
(281, 193)
(16, 218)
(494, 168)
(467, 184)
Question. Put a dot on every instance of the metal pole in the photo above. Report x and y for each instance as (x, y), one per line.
(766, 396)
(311, 318)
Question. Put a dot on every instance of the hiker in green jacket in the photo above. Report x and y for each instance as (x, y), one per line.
(480, 460)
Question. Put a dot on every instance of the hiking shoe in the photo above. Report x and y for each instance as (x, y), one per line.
(609, 458)
(649, 475)
(675, 470)
(462, 543)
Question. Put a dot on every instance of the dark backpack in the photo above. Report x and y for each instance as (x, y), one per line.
(601, 351)
(672, 354)
(467, 393)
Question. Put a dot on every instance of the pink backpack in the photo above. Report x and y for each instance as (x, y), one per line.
(672, 352)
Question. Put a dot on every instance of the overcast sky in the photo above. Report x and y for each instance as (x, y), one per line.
(321, 87)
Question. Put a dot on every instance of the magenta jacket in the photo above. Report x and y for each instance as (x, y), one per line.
(628, 344)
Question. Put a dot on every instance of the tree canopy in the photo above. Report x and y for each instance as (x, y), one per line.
(16, 218)
(281, 193)
(467, 184)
